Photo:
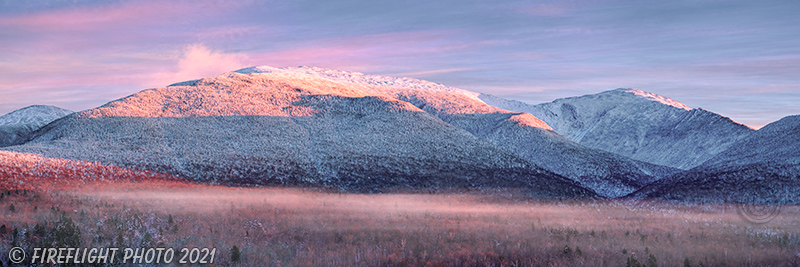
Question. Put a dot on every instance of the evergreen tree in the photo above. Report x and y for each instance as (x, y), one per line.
(235, 254)
(652, 262)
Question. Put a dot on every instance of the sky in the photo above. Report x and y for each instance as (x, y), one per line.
(740, 59)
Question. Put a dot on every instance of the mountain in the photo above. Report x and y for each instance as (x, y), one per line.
(17, 126)
(606, 173)
(522, 134)
(637, 124)
(763, 167)
(289, 127)
(777, 143)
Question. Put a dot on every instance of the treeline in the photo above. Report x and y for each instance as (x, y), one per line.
(19, 171)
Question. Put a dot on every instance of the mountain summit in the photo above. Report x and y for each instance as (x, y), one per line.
(637, 124)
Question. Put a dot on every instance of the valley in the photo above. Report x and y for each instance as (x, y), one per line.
(311, 227)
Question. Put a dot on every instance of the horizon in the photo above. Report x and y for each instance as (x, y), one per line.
(736, 59)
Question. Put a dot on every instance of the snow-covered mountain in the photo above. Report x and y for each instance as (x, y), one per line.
(637, 124)
(288, 126)
(606, 173)
(763, 167)
(522, 134)
(777, 143)
(17, 126)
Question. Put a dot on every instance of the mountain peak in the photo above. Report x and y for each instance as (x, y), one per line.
(652, 97)
(637, 124)
(35, 114)
(276, 93)
(17, 126)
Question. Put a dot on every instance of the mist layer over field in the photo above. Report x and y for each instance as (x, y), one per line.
(280, 227)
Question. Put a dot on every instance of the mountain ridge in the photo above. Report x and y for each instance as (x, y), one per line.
(763, 168)
(636, 124)
(597, 170)
(16, 127)
(355, 131)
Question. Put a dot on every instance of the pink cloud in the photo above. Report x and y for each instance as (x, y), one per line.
(198, 61)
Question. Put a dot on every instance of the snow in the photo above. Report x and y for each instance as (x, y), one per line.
(777, 143)
(637, 124)
(38, 115)
(362, 79)
(763, 167)
(17, 126)
(607, 174)
(655, 97)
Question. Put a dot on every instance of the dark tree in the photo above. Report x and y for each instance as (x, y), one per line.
(235, 254)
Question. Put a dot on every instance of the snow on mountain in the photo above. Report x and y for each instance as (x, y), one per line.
(520, 133)
(290, 127)
(606, 173)
(362, 79)
(776, 143)
(763, 167)
(17, 126)
(655, 97)
(636, 124)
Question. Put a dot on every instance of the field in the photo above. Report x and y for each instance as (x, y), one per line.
(304, 227)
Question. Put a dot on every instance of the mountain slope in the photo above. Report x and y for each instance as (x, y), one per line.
(520, 133)
(17, 126)
(763, 167)
(289, 128)
(606, 173)
(637, 124)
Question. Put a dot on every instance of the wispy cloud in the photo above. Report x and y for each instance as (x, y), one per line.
(198, 61)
